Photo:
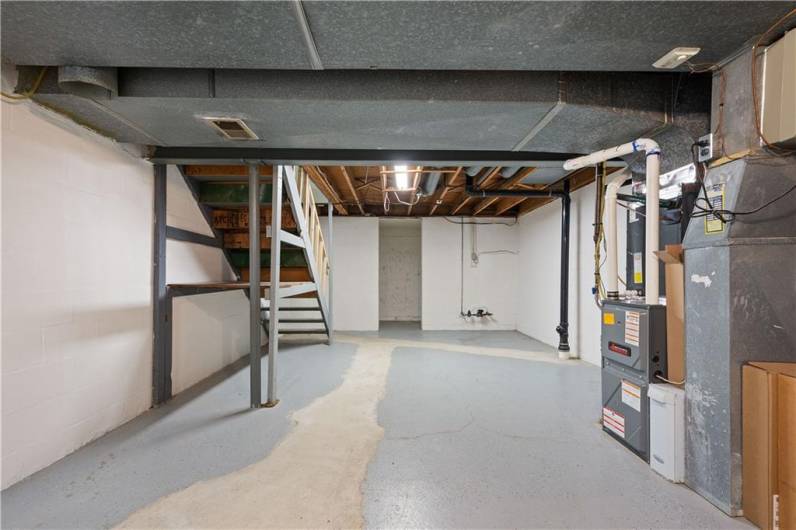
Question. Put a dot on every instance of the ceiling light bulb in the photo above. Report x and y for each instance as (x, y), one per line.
(401, 177)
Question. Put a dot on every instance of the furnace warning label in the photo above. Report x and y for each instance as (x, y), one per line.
(614, 422)
(631, 395)
(632, 326)
(715, 198)
(638, 268)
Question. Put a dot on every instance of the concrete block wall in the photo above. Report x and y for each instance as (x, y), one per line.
(77, 290)
(209, 331)
(399, 270)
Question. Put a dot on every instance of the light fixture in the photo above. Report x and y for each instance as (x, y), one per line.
(401, 177)
(675, 58)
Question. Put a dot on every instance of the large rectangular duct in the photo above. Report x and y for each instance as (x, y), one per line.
(740, 302)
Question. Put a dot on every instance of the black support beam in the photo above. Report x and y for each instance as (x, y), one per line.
(179, 234)
(161, 313)
(349, 157)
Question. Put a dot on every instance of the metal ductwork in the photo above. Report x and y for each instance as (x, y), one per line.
(89, 82)
(429, 184)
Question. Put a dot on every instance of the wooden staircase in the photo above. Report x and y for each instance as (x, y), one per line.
(304, 261)
(283, 247)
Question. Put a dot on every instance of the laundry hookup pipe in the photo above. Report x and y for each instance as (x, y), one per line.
(563, 325)
(653, 162)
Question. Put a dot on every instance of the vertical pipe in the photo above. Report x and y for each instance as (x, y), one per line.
(330, 256)
(161, 347)
(651, 227)
(611, 245)
(563, 325)
(273, 291)
(255, 308)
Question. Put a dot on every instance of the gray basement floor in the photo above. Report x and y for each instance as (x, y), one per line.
(469, 429)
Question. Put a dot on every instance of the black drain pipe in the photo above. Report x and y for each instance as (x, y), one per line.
(563, 326)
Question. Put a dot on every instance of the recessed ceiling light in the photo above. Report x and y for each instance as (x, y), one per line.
(675, 58)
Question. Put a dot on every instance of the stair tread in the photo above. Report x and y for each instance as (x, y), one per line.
(313, 308)
(303, 331)
(298, 320)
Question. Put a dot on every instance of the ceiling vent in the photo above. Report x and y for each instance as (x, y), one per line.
(232, 128)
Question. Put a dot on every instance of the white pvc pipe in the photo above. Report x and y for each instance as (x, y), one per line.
(611, 245)
(653, 152)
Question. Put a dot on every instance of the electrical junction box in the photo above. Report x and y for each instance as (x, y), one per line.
(667, 431)
(633, 346)
(705, 144)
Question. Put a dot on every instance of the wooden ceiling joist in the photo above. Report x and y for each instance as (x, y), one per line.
(350, 184)
(507, 203)
(439, 197)
(208, 171)
(322, 182)
(415, 181)
(505, 185)
(485, 181)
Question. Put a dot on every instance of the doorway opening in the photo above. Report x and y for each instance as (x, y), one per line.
(399, 270)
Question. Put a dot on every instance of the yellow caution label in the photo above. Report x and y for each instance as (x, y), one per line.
(715, 197)
(609, 319)
(638, 277)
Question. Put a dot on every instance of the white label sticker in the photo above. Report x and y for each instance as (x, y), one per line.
(631, 395)
(632, 215)
(614, 421)
(632, 326)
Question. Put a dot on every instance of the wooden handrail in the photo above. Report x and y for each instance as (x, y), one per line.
(314, 232)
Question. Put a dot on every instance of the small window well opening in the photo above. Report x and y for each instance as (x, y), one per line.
(232, 128)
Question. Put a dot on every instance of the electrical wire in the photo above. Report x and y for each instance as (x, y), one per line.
(17, 98)
(703, 207)
(480, 223)
(599, 234)
(398, 199)
(670, 381)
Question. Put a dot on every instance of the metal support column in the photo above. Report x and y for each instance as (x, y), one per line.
(330, 254)
(273, 292)
(255, 309)
(161, 320)
(563, 325)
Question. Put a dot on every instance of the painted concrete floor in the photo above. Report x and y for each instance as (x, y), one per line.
(467, 429)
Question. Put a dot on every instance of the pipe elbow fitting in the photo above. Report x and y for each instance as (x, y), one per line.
(647, 145)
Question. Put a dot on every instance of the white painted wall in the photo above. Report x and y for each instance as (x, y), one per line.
(209, 331)
(399, 269)
(492, 284)
(76, 289)
(355, 266)
(539, 278)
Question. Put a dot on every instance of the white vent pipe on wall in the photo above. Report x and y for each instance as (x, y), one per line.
(653, 153)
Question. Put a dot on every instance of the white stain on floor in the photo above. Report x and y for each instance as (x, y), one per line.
(313, 477)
